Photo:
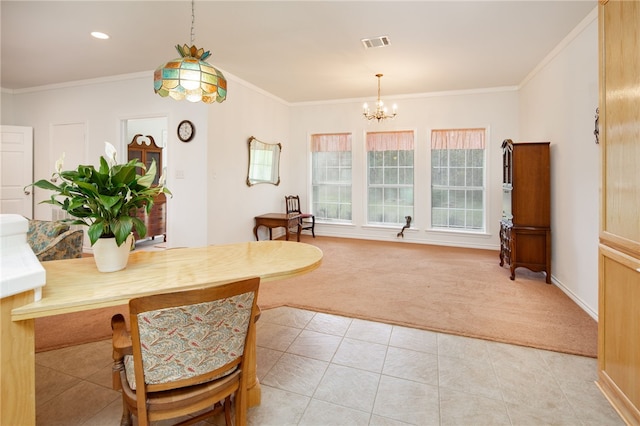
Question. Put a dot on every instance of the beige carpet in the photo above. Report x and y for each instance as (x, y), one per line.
(451, 290)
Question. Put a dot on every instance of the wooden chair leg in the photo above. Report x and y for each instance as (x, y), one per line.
(227, 411)
(127, 418)
(241, 404)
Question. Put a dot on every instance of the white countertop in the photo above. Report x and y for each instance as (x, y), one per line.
(20, 269)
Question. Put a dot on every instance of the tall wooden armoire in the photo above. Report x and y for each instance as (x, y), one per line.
(525, 228)
(619, 251)
(144, 148)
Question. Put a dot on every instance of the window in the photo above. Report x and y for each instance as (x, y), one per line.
(331, 176)
(390, 177)
(457, 179)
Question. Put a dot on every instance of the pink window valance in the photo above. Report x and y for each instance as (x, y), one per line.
(390, 141)
(331, 142)
(458, 139)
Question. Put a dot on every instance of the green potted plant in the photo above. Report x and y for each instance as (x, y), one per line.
(105, 199)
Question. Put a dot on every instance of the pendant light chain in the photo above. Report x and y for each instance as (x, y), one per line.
(193, 20)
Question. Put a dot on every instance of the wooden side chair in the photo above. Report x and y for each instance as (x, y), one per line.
(185, 353)
(308, 221)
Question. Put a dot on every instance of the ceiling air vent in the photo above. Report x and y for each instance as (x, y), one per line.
(376, 42)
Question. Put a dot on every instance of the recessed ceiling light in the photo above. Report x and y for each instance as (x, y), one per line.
(101, 36)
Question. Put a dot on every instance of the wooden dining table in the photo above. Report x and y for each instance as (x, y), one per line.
(75, 285)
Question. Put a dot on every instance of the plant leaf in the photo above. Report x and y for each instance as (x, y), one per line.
(141, 228)
(124, 175)
(95, 230)
(108, 201)
(147, 179)
(44, 184)
(104, 166)
(122, 228)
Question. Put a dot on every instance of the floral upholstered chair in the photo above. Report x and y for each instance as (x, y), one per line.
(185, 353)
(54, 240)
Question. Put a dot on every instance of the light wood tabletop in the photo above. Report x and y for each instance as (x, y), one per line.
(75, 285)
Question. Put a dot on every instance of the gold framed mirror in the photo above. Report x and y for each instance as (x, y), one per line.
(264, 162)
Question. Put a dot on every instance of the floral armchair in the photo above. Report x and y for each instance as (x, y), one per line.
(54, 240)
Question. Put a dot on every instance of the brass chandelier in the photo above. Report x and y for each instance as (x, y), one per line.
(380, 113)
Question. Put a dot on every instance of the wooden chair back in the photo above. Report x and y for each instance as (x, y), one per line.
(293, 203)
(307, 220)
(190, 340)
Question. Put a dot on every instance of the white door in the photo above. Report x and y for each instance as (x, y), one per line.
(16, 163)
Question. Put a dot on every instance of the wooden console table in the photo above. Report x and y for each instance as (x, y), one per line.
(278, 220)
(75, 285)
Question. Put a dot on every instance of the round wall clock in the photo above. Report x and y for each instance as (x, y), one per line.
(186, 131)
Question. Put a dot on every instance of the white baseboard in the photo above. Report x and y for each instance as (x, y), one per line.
(575, 298)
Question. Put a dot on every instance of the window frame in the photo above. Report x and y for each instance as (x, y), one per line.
(339, 142)
(400, 141)
(465, 143)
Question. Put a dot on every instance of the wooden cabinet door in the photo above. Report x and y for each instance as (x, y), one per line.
(144, 148)
(619, 252)
(531, 196)
(620, 121)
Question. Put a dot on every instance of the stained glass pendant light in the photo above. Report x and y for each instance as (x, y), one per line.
(189, 76)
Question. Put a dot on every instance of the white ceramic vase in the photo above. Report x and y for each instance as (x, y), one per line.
(109, 257)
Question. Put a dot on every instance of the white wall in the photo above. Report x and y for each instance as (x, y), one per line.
(6, 107)
(101, 105)
(232, 205)
(496, 110)
(558, 104)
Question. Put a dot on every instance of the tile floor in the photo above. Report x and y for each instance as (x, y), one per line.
(319, 369)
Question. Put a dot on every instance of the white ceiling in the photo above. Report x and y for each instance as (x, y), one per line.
(300, 51)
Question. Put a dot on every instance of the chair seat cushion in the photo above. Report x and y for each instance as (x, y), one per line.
(131, 377)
